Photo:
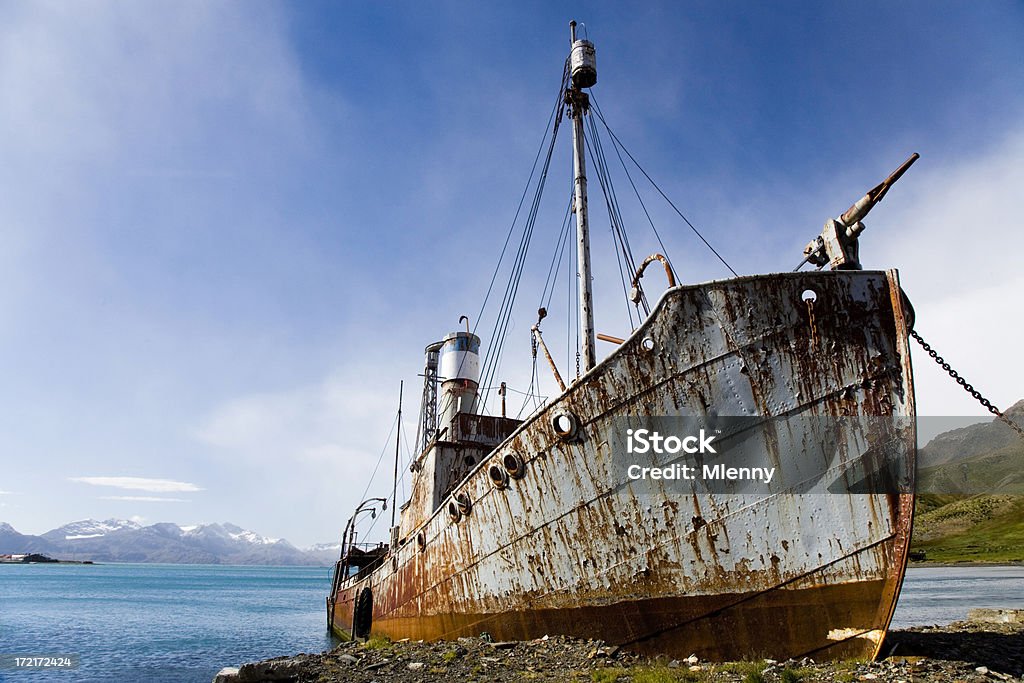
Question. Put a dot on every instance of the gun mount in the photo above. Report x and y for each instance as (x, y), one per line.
(837, 244)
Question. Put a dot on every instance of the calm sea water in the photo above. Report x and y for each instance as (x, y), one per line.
(161, 623)
(939, 595)
(144, 622)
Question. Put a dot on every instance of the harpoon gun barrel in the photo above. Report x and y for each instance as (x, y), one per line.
(863, 205)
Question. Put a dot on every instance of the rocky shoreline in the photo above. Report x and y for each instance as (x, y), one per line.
(989, 647)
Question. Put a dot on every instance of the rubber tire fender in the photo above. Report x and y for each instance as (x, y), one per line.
(362, 614)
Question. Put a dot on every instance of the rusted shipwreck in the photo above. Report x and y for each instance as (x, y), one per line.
(526, 528)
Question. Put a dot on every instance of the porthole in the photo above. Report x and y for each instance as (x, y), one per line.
(464, 503)
(514, 465)
(499, 477)
(454, 513)
(421, 540)
(647, 344)
(566, 425)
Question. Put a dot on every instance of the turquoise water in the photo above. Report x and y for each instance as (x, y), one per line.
(146, 622)
(164, 623)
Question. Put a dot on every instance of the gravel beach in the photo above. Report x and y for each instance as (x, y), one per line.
(962, 651)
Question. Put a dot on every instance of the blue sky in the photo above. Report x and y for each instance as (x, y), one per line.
(229, 229)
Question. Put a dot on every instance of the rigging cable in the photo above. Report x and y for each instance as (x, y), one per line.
(500, 329)
(623, 253)
(629, 177)
(697, 232)
(545, 301)
(622, 233)
(552, 277)
(387, 442)
(612, 196)
(555, 112)
(391, 499)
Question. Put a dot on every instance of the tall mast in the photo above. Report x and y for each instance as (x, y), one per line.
(584, 74)
(398, 436)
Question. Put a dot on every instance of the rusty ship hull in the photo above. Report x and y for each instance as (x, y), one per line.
(565, 547)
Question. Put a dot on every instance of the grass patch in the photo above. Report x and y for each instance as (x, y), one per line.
(646, 674)
(793, 675)
(377, 643)
(606, 675)
(752, 672)
(658, 674)
(978, 529)
(742, 668)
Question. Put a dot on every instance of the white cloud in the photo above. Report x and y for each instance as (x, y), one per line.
(308, 423)
(139, 484)
(317, 445)
(145, 499)
(954, 231)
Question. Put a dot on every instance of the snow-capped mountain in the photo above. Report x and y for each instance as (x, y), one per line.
(118, 540)
(326, 553)
(89, 528)
(229, 530)
(319, 547)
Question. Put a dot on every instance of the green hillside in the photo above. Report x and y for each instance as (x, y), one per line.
(982, 528)
(970, 504)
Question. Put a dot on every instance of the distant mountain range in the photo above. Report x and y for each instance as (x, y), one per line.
(971, 482)
(984, 458)
(120, 540)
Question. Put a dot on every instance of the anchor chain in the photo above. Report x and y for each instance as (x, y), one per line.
(965, 384)
(810, 319)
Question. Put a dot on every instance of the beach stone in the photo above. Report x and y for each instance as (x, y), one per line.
(996, 616)
(272, 670)
(348, 659)
(229, 674)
